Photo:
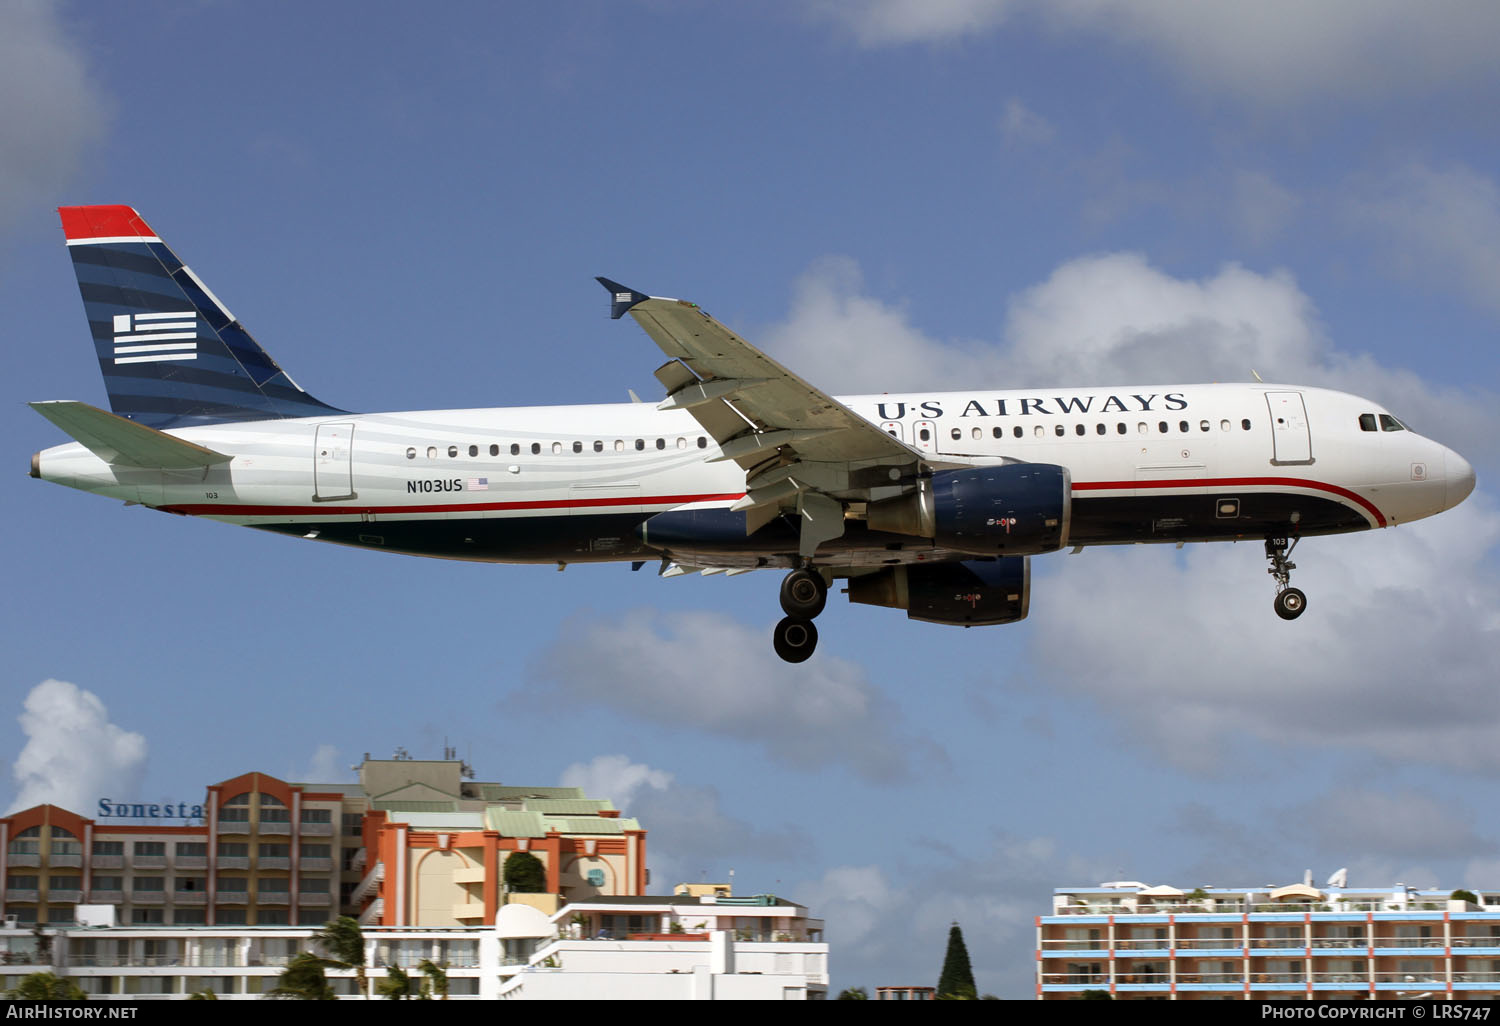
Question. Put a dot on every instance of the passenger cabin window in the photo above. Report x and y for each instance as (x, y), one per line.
(957, 433)
(925, 435)
(1120, 428)
(473, 450)
(702, 442)
(1060, 431)
(432, 452)
(661, 443)
(557, 448)
(452, 451)
(578, 447)
(1018, 432)
(1161, 426)
(536, 448)
(411, 453)
(1245, 423)
(1389, 423)
(515, 448)
(1079, 429)
(1183, 426)
(1100, 429)
(999, 432)
(640, 443)
(619, 445)
(599, 446)
(494, 450)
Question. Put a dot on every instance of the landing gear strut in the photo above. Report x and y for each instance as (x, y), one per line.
(1290, 602)
(804, 593)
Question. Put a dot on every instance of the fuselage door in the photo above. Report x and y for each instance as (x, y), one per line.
(333, 462)
(924, 436)
(1290, 434)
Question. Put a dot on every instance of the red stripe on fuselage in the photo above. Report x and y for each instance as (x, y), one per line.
(325, 510)
(1237, 482)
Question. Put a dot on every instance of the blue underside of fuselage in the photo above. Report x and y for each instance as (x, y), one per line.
(611, 537)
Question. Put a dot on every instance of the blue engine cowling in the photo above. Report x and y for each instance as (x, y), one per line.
(973, 593)
(1012, 510)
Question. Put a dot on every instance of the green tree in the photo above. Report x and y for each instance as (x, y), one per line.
(854, 994)
(1463, 895)
(957, 979)
(45, 987)
(1096, 995)
(396, 986)
(206, 994)
(303, 979)
(525, 874)
(344, 942)
(436, 977)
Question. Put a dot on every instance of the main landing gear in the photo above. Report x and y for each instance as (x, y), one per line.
(804, 593)
(1290, 602)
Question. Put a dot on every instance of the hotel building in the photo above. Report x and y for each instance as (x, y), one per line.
(413, 843)
(1245, 943)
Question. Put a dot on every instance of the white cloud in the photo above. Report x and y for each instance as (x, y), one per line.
(324, 768)
(52, 112)
(616, 778)
(1402, 823)
(689, 834)
(893, 22)
(73, 754)
(1275, 51)
(1022, 126)
(1395, 653)
(705, 671)
(888, 924)
(1441, 227)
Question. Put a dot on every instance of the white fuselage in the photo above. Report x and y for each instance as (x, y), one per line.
(1159, 463)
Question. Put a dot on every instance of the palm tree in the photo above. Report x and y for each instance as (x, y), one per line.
(396, 986)
(303, 979)
(345, 942)
(45, 987)
(437, 976)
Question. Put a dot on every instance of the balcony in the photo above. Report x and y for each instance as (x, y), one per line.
(275, 828)
(28, 860)
(1210, 943)
(309, 899)
(189, 898)
(1142, 944)
(107, 862)
(1409, 942)
(233, 827)
(232, 897)
(274, 862)
(106, 897)
(1278, 942)
(234, 861)
(316, 865)
(1491, 978)
(148, 897)
(71, 860)
(469, 910)
(191, 861)
(1425, 977)
(20, 894)
(149, 862)
(66, 896)
(273, 898)
(1340, 942)
(317, 829)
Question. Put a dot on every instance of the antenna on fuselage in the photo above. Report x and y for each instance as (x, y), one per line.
(1257, 376)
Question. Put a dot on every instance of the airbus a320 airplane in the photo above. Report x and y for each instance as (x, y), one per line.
(928, 502)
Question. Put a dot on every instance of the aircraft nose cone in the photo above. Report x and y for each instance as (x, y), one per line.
(1460, 478)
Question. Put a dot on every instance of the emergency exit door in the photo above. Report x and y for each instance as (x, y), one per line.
(333, 462)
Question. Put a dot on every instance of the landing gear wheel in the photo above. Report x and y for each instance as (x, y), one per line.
(1290, 604)
(795, 639)
(803, 594)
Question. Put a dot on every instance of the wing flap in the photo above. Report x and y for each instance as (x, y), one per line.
(122, 442)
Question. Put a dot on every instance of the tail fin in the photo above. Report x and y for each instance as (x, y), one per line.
(171, 354)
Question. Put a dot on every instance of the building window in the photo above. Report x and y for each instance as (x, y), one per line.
(191, 884)
(149, 883)
(192, 849)
(234, 850)
(147, 916)
(315, 851)
(150, 849)
(353, 824)
(109, 847)
(189, 916)
(317, 815)
(272, 885)
(275, 851)
(229, 917)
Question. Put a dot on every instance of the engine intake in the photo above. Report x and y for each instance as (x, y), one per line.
(1015, 509)
(972, 593)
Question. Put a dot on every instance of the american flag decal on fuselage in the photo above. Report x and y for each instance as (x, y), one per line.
(152, 337)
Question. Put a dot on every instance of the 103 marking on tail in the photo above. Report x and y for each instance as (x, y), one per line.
(931, 503)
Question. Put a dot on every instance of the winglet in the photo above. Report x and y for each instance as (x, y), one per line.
(622, 298)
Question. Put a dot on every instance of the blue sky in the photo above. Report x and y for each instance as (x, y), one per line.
(407, 205)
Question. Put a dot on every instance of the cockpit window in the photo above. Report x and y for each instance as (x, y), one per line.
(1389, 423)
(1367, 422)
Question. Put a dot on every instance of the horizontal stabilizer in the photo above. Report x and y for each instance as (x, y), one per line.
(121, 442)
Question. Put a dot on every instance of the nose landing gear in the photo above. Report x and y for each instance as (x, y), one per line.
(1290, 602)
(804, 593)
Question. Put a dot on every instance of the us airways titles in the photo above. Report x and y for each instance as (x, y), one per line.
(1061, 406)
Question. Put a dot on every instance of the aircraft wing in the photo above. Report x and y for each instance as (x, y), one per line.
(797, 444)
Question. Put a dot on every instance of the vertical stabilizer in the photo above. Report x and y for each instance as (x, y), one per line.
(170, 352)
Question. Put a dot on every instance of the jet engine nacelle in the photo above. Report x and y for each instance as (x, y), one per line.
(973, 593)
(1015, 509)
